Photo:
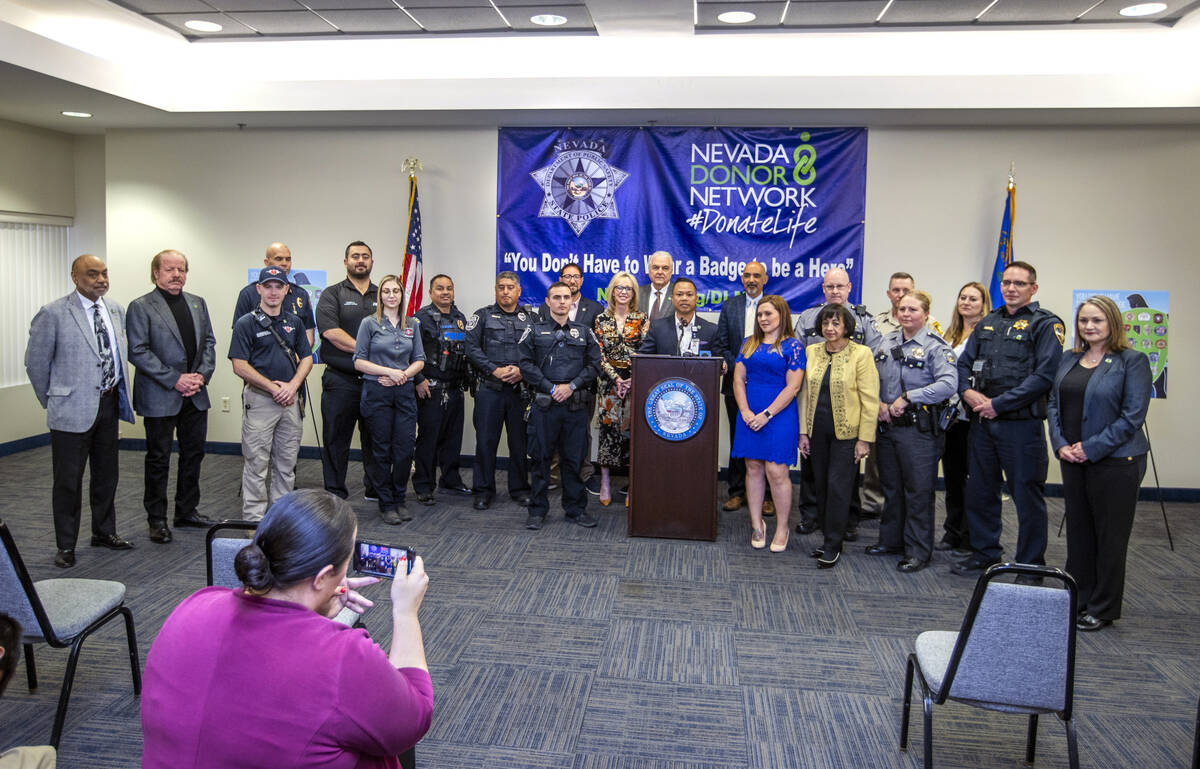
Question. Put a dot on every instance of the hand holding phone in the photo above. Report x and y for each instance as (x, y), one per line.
(380, 560)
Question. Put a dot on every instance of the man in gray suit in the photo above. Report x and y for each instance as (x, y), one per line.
(76, 363)
(655, 299)
(173, 352)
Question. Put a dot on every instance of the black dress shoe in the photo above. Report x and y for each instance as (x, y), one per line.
(391, 517)
(817, 552)
(534, 522)
(806, 527)
(972, 566)
(160, 533)
(944, 544)
(883, 550)
(521, 499)
(64, 559)
(459, 489)
(112, 542)
(425, 498)
(1087, 623)
(851, 534)
(828, 562)
(194, 520)
(586, 520)
(908, 565)
(482, 502)
(403, 511)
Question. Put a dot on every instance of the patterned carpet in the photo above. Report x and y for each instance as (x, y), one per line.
(583, 649)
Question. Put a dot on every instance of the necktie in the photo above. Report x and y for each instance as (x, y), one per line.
(108, 369)
(751, 311)
(657, 304)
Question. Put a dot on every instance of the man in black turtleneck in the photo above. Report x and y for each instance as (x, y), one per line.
(173, 350)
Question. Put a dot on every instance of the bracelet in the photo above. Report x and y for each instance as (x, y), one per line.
(768, 413)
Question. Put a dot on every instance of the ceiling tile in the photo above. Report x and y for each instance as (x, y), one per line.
(165, 6)
(577, 17)
(1035, 11)
(827, 13)
(230, 27)
(1110, 10)
(256, 5)
(933, 11)
(285, 22)
(349, 5)
(768, 14)
(472, 19)
(371, 22)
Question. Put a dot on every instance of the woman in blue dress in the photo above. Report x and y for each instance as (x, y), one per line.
(766, 378)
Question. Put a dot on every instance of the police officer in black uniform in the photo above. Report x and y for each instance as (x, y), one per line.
(492, 336)
(836, 286)
(297, 301)
(440, 387)
(560, 360)
(1004, 377)
(340, 311)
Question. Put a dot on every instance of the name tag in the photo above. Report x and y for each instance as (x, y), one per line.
(263, 333)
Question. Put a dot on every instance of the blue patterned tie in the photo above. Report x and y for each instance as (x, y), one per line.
(108, 373)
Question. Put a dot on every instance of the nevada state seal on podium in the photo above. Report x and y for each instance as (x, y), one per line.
(673, 447)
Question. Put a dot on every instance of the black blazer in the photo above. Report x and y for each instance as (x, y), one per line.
(1114, 405)
(585, 314)
(663, 338)
(730, 331)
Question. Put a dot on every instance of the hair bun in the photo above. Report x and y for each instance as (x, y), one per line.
(254, 569)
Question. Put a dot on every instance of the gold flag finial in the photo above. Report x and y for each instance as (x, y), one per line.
(412, 165)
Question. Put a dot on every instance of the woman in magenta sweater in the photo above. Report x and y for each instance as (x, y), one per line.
(262, 677)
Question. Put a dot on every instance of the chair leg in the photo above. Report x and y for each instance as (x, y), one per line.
(1073, 744)
(908, 682)
(60, 715)
(1031, 740)
(30, 667)
(134, 662)
(928, 731)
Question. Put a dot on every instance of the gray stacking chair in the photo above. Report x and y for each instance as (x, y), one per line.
(1014, 653)
(221, 546)
(62, 613)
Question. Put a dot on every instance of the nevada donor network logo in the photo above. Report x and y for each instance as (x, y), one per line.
(580, 184)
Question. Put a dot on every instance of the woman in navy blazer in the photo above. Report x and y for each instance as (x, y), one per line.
(1097, 406)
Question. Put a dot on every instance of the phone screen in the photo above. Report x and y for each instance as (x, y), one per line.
(379, 560)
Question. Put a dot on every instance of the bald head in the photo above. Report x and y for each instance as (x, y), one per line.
(754, 277)
(90, 275)
(279, 255)
(836, 286)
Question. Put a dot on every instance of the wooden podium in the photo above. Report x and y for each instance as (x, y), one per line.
(673, 459)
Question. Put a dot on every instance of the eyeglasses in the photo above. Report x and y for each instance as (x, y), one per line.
(836, 286)
(623, 289)
(1014, 283)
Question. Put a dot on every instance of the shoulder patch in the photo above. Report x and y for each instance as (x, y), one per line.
(472, 322)
(1060, 332)
(525, 334)
(950, 357)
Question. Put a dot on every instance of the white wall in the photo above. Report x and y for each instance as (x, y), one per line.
(1096, 208)
(38, 175)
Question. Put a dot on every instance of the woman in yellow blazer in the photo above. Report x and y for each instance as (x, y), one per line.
(838, 408)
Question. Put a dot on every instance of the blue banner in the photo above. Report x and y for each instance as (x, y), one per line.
(715, 198)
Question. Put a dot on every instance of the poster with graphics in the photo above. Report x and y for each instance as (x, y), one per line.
(1146, 318)
(714, 198)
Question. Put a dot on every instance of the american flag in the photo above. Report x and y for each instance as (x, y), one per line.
(411, 275)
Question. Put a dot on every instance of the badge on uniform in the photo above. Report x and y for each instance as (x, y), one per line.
(460, 323)
(472, 323)
(1021, 325)
(1060, 332)
(574, 333)
(919, 353)
(950, 358)
(408, 332)
(288, 328)
(520, 316)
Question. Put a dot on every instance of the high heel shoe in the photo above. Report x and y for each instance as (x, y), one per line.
(606, 501)
(758, 538)
(780, 548)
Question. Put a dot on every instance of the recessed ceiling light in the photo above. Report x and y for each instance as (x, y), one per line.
(200, 25)
(548, 20)
(736, 17)
(69, 113)
(1143, 9)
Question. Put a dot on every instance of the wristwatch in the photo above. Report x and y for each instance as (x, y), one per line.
(768, 413)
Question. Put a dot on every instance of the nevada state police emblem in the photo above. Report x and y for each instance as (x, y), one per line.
(580, 184)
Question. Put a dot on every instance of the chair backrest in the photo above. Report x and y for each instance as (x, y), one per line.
(221, 546)
(18, 598)
(1016, 646)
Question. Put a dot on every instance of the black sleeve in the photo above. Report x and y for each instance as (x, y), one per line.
(327, 311)
(474, 343)
(245, 303)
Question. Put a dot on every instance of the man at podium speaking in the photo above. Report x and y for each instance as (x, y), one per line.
(683, 332)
